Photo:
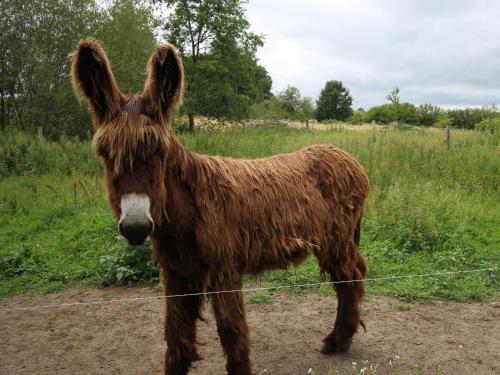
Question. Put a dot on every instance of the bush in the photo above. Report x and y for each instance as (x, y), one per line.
(269, 109)
(358, 117)
(25, 154)
(491, 125)
(132, 265)
(16, 261)
(407, 113)
(468, 118)
(429, 114)
(382, 114)
(442, 122)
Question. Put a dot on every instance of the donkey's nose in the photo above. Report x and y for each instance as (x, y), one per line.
(136, 232)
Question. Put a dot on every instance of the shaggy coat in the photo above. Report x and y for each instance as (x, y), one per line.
(217, 218)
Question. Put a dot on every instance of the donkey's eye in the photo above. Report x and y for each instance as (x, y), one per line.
(102, 151)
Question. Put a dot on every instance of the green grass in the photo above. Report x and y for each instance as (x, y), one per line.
(430, 210)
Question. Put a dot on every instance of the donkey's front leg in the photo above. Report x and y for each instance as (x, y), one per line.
(232, 329)
(180, 326)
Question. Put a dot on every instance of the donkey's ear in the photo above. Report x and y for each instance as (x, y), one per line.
(92, 79)
(165, 82)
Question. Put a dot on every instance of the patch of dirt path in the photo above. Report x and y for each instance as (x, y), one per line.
(286, 333)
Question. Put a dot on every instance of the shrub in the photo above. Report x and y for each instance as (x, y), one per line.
(468, 118)
(491, 125)
(25, 154)
(358, 117)
(382, 114)
(132, 265)
(269, 109)
(443, 122)
(429, 114)
(407, 113)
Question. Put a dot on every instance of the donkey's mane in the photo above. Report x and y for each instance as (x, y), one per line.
(130, 136)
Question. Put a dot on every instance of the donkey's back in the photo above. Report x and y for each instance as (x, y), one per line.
(275, 211)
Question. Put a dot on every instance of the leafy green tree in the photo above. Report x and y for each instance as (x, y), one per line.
(291, 100)
(36, 39)
(358, 117)
(335, 102)
(381, 114)
(401, 113)
(491, 125)
(13, 16)
(269, 109)
(393, 96)
(127, 34)
(429, 114)
(307, 110)
(408, 114)
(468, 118)
(223, 78)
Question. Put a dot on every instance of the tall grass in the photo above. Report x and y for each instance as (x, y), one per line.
(430, 209)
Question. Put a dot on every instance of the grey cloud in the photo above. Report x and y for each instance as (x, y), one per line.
(444, 52)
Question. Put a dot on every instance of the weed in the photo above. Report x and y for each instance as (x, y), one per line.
(257, 298)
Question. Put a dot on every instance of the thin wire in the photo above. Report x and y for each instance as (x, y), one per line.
(472, 144)
(247, 290)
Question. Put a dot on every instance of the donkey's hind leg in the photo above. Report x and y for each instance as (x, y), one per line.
(349, 295)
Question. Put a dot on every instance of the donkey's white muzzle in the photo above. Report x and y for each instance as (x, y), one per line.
(136, 223)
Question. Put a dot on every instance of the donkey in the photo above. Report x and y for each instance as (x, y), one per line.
(213, 219)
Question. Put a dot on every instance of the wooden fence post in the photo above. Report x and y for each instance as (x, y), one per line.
(448, 136)
(40, 132)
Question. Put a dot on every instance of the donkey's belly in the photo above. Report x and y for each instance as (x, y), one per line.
(291, 251)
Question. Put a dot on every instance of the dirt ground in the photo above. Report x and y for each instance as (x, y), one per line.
(286, 333)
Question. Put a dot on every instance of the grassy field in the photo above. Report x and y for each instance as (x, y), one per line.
(430, 210)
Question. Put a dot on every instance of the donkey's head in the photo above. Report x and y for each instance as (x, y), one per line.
(131, 132)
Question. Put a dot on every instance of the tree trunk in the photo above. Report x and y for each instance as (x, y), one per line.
(191, 121)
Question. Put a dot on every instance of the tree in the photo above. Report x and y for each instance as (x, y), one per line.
(393, 96)
(335, 102)
(291, 100)
(358, 117)
(126, 33)
(429, 114)
(36, 38)
(222, 75)
(381, 114)
(306, 110)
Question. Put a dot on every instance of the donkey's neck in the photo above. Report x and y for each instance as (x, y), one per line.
(181, 161)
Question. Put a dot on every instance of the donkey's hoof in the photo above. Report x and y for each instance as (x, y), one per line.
(332, 347)
(328, 348)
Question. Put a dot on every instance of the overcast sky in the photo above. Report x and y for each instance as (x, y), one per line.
(442, 52)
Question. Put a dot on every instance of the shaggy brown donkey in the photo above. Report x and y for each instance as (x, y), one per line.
(213, 219)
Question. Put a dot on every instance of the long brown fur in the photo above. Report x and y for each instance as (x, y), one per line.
(219, 218)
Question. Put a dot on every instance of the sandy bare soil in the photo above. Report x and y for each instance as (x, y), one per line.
(286, 333)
